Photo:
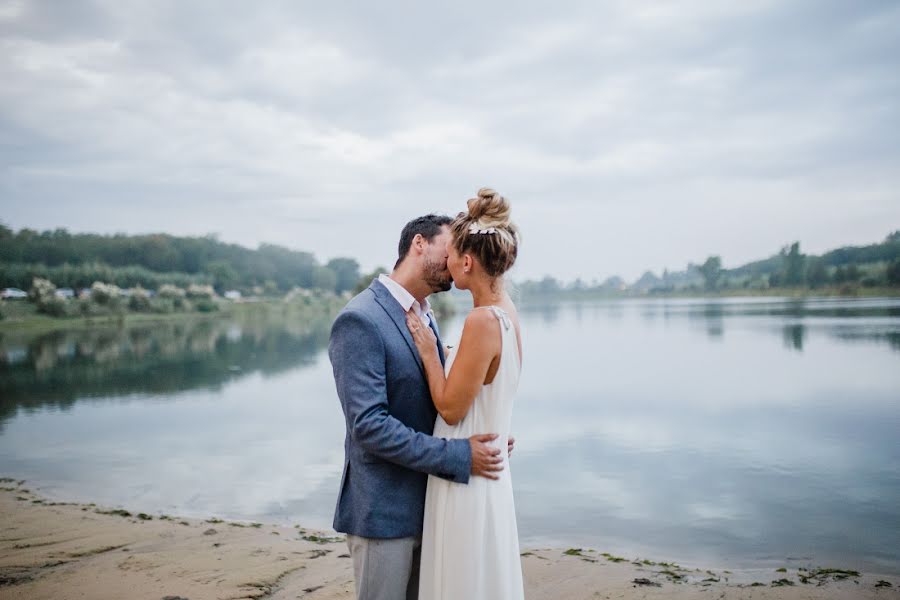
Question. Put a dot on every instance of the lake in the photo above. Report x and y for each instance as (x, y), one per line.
(732, 432)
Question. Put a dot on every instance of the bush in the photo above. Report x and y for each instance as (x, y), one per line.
(870, 281)
(55, 307)
(175, 294)
(205, 292)
(17, 274)
(162, 305)
(893, 272)
(170, 291)
(139, 300)
(86, 307)
(105, 294)
(206, 305)
(41, 290)
(43, 294)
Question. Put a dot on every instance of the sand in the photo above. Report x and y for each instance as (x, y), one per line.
(60, 551)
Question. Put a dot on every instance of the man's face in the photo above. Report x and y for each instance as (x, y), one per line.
(435, 271)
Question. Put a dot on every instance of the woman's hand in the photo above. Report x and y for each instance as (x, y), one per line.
(422, 335)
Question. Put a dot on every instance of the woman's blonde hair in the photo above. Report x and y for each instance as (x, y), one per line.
(487, 232)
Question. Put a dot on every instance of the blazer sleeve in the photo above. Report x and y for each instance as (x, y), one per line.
(357, 354)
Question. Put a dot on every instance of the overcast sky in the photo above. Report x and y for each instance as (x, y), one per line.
(628, 135)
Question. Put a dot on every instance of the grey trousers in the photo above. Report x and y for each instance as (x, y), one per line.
(386, 569)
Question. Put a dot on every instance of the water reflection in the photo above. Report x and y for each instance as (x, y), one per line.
(721, 431)
(793, 336)
(792, 319)
(59, 367)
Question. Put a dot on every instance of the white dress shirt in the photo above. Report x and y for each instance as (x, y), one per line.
(406, 300)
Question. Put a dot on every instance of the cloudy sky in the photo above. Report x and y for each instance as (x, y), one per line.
(628, 135)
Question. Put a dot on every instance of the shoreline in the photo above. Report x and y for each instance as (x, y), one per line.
(23, 317)
(861, 293)
(52, 549)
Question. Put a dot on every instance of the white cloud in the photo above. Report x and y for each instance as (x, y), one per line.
(679, 132)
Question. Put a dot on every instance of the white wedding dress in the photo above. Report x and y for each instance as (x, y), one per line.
(470, 544)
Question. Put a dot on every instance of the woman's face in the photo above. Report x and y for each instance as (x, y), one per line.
(455, 263)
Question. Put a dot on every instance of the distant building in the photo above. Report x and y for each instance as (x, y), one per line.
(233, 295)
(65, 293)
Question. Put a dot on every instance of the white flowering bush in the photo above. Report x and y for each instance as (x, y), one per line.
(139, 300)
(170, 291)
(205, 292)
(105, 294)
(41, 290)
(43, 294)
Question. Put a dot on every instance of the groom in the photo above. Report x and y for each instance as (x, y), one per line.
(388, 449)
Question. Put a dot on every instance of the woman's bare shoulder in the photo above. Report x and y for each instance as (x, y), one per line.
(480, 319)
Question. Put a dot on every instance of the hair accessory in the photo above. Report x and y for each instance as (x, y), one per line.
(475, 228)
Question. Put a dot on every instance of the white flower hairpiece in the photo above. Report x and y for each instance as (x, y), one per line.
(475, 228)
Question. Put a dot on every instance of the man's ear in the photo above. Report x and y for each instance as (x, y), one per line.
(419, 242)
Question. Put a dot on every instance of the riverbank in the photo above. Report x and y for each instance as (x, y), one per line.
(22, 316)
(796, 293)
(54, 550)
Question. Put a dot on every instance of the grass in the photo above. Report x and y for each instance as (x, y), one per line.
(823, 575)
(22, 316)
(95, 551)
(321, 539)
(611, 558)
(116, 511)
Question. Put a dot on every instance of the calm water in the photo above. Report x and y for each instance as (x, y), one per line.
(736, 432)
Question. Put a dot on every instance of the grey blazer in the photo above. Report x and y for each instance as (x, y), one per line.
(388, 449)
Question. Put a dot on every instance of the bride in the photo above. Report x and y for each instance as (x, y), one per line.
(470, 546)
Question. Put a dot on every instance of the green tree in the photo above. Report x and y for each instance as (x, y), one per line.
(816, 273)
(346, 271)
(364, 281)
(794, 265)
(223, 274)
(548, 285)
(711, 270)
(893, 272)
(847, 274)
(324, 279)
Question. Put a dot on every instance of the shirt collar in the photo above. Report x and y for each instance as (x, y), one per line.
(403, 297)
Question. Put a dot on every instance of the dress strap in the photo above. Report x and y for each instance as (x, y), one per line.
(500, 314)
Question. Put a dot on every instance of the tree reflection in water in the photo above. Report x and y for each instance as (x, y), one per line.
(60, 367)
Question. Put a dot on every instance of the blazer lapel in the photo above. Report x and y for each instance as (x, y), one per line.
(434, 327)
(395, 312)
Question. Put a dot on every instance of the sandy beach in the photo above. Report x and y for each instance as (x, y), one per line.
(59, 550)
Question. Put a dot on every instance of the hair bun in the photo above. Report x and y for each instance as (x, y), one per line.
(489, 208)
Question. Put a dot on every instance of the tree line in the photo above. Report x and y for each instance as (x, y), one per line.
(849, 267)
(78, 260)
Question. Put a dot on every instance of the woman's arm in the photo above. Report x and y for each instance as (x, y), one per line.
(453, 395)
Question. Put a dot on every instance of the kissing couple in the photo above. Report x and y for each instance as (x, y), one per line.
(426, 497)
